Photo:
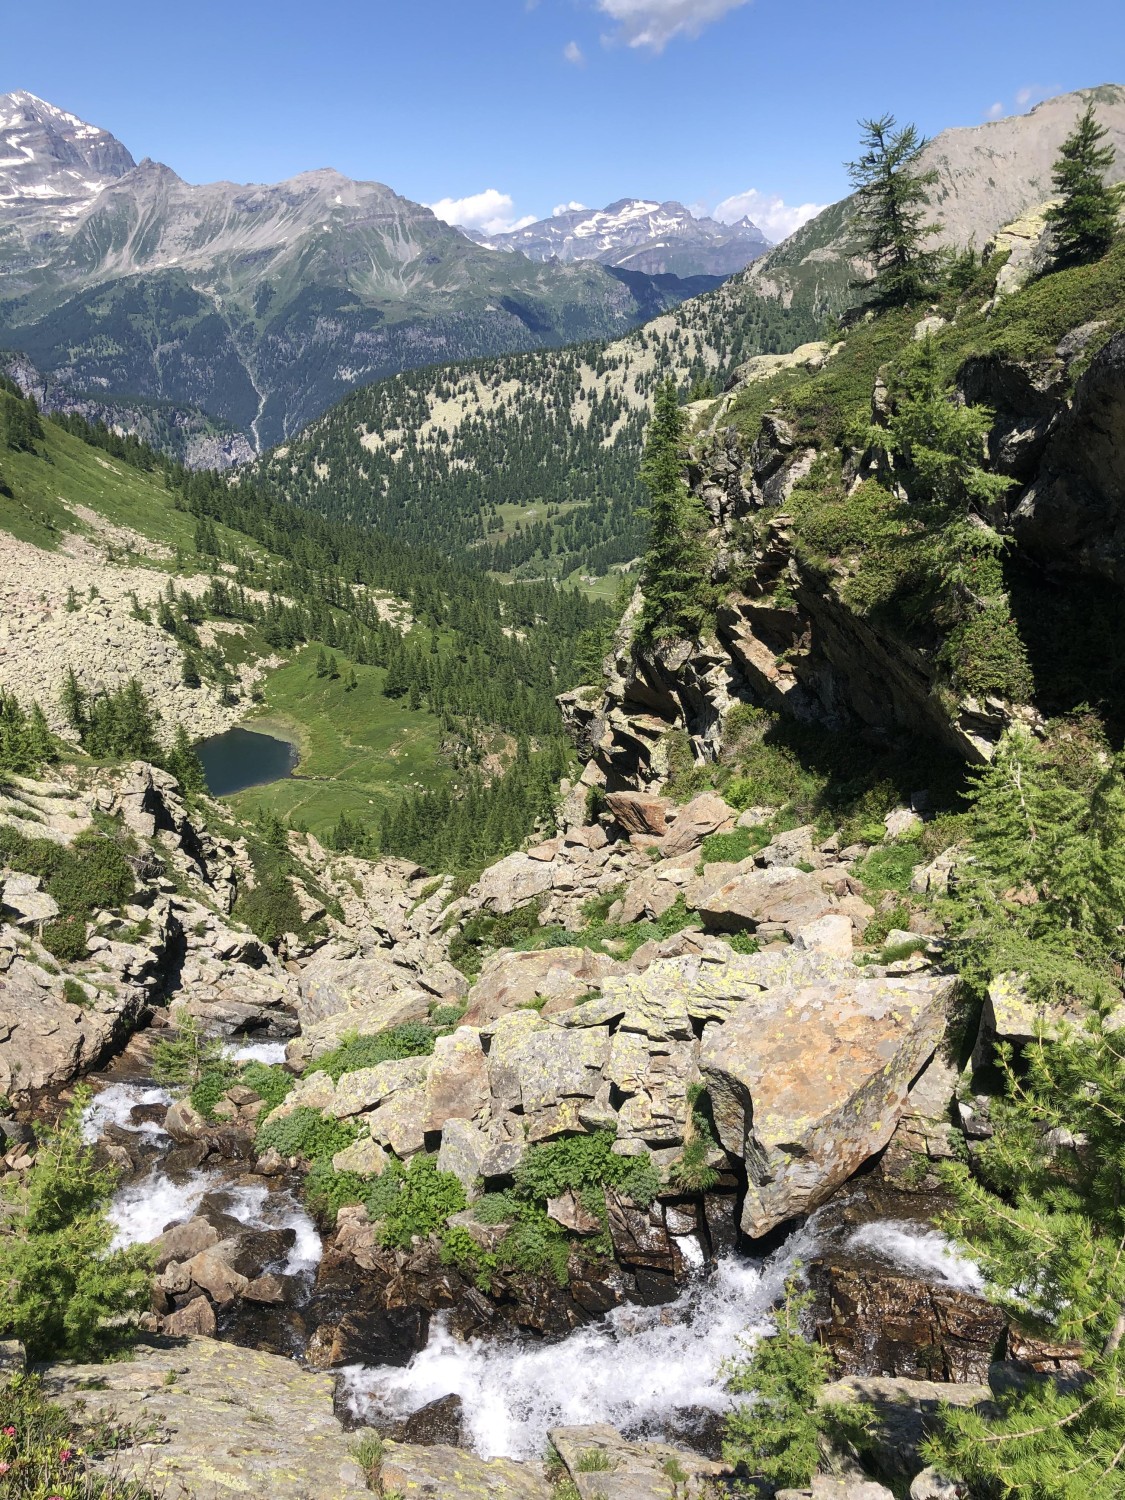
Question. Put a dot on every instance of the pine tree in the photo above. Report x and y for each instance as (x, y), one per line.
(1085, 222)
(321, 663)
(74, 702)
(892, 210)
(189, 672)
(674, 575)
(185, 765)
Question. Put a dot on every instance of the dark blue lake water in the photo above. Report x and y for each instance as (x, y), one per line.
(243, 757)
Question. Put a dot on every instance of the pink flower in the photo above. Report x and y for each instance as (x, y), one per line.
(9, 1432)
(4, 1468)
(65, 1455)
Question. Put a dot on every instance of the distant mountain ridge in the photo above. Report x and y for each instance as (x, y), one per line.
(639, 234)
(259, 305)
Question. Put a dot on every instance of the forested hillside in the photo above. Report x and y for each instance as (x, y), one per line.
(373, 645)
(530, 459)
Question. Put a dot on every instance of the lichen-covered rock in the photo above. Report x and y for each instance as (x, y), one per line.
(557, 976)
(456, 1079)
(454, 1474)
(807, 1083)
(632, 1471)
(226, 1421)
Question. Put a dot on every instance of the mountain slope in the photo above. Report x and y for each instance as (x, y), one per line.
(534, 457)
(988, 175)
(260, 304)
(641, 235)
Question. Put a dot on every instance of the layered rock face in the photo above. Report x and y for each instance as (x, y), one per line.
(807, 1058)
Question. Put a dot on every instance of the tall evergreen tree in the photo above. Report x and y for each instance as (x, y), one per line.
(674, 574)
(1086, 219)
(893, 205)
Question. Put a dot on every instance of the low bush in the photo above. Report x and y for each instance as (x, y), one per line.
(65, 939)
(413, 1200)
(306, 1133)
(269, 1081)
(411, 1039)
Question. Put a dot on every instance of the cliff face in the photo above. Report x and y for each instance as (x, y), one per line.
(791, 632)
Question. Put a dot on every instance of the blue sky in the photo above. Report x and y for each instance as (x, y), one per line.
(544, 102)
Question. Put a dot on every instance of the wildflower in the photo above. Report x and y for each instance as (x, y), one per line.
(9, 1432)
(65, 1455)
(4, 1468)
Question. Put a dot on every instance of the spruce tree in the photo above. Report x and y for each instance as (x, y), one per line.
(892, 210)
(1086, 219)
(674, 575)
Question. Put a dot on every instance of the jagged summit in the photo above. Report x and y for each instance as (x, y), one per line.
(640, 234)
(53, 165)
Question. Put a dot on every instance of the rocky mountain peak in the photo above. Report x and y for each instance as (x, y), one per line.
(640, 234)
(52, 163)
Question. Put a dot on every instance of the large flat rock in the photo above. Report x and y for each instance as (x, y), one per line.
(222, 1422)
(443, 1473)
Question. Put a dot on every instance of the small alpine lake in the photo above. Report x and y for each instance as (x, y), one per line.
(241, 758)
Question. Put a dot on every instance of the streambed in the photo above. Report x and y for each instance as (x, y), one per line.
(649, 1371)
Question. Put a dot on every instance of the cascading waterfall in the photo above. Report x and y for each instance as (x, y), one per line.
(637, 1369)
(140, 1211)
(646, 1370)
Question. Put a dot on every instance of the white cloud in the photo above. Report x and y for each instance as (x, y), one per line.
(490, 212)
(653, 23)
(567, 208)
(1025, 95)
(773, 216)
(574, 54)
(994, 111)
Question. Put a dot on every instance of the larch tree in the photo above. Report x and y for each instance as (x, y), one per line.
(893, 208)
(674, 576)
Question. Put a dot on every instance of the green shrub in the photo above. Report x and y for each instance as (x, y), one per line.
(60, 1284)
(47, 1451)
(326, 1190)
(74, 993)
(415, 1200)
(188, 1055)
(411, 1039)
(65, 939)
(775, 1436)
(270, 1082)
(582, 1162)
(306, 1133)
(271, 909)
(728, 847)
(210, 1089)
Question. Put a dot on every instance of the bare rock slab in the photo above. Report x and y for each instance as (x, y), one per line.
(808, 1082)
(232, 1422)
(444, 1473)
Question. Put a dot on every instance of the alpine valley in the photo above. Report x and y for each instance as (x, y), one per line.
(562, 842)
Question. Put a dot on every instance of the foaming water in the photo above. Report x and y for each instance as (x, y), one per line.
(143, 1210)
(258, 1208)
(926, 1252)
(636, 1369)
(114, 1106)
(270, 1053)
